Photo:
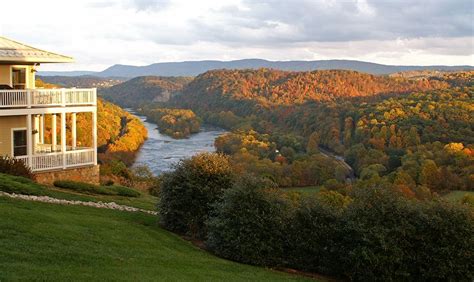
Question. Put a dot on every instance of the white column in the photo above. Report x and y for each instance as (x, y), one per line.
(73, 130)
(94, 134)
(41, 129)
(54, 139)
(36, 129)
(28, 139)
(63, 138)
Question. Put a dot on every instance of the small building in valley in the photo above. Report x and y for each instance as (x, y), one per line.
(40, 126)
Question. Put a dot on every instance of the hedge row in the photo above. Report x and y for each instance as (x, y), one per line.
(378, 236)
(374, 235)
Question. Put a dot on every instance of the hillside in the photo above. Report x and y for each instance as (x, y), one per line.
(119, 133)
(144, 89)
(71, 243)
(221, 88)
(194, 68)
(423, 126)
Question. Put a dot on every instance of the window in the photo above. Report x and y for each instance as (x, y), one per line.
(19, 78)
(19, 142)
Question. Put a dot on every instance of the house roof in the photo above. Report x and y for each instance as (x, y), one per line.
(15, 52)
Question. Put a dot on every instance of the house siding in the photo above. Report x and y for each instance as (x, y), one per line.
(6, 125)
(5, 75)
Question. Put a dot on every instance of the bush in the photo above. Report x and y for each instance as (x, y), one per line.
(83, 187)
(379, 235)
(20, 185)
(312, 237)
(248, 223)
(124, 191)
(384, 236)
(444, 243)
(96, 189)
(155, 188)
(468, 200)
(373, 236)
(15, 167)
(188, 192)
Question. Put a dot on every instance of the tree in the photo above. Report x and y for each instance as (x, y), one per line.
(188, 193)
(313, 143)
(429, 175)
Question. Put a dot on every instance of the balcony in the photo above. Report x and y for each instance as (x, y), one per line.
(36, 98)
(51, 159)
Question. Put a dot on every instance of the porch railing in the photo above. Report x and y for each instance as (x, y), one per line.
(60, 160)
(47, 97)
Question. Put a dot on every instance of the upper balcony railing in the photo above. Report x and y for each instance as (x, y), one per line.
(31, 98)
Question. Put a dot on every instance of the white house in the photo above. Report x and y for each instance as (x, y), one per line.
(38, 126)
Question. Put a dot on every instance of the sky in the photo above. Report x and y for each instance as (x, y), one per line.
(102, 33)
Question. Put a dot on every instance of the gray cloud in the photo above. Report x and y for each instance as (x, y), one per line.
(270, 21)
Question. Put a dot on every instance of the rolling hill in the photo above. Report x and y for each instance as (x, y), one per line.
(224, 89)
(144, 89)
(194, 68)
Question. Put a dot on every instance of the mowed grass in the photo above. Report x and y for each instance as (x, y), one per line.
(20, 185)
(40, 241)
(145, 201)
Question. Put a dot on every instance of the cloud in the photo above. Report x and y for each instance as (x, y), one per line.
(149, 5)
(104, 32)
(336, 21)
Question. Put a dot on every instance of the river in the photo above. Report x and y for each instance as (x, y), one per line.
(160, 152)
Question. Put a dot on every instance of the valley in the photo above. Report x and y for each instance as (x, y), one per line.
(237, 140)
(160, 152)
(327, 152)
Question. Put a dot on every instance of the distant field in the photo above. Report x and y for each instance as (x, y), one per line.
(308, 190)
(41, 241)
(457, 195)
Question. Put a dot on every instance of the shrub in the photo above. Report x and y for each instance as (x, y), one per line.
(385, 236)
(248, 223)
(188, 192)
(443, 243)
(20, 185)
(124, 191)
(15, 167)
(96, 189)
(83, 187)
(312, 236)
(373, 236)
(468, 200)
(378, 236)
(155, 188)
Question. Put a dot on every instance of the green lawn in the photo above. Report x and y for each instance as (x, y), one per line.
(40, 241)
(20, 185)
(308, 190)
(456, 196)
(145, 201)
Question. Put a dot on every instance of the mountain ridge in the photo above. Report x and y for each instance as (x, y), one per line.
(194, 68)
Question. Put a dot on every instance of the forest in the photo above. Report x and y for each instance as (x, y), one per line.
(380, 154)
(177, 123)
(144, 90)
(408, 142)
(409, 133)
